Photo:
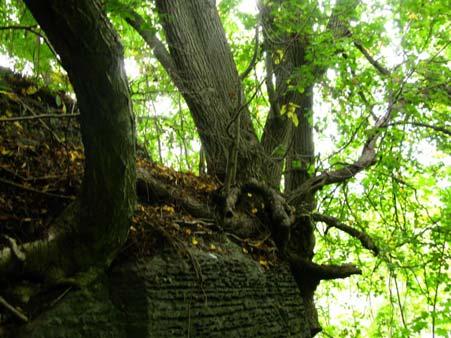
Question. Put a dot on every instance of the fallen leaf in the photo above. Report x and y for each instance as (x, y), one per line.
(31, 90)
(169, 209)
(263, 262)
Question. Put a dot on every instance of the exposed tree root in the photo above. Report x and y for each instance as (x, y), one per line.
(150, 189)
(280, 214)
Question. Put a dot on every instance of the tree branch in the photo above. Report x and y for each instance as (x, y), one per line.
(13, 310)
(32, 29)
(148, 33)
(320, 272)
(366, 159)
(366, 240)
(20, 186)
(340, 29)
(381, 69)
(254, 56)
(34, 117)
(443, 130)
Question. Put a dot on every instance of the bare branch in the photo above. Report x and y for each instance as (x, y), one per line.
(322, 271)
(34, 117)
(366, 159)
(23, 187)
(150, 37)
(366, 240)
(13, 310)
(443, 130)
(32, 29)
(254, 56)
(381, 69)
(15, 248)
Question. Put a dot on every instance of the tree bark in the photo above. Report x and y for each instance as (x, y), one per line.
(92, 55)
(166, 296)
(209, 81)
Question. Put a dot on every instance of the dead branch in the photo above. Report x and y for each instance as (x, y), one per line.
(13, 310)
(31, 110)
(440, 129)
(333, 222)
(23, 187)
(34, 117)
(15, 248)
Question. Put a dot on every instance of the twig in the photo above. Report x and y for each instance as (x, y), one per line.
(32, 30)
(20, 186)
(34, 117)
(254, 56)
(13, 310)
(31, 110)
(420, 124)
(61, 296)
(15, 248)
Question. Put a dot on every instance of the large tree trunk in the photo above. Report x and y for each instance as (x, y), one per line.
(163, 296)
(206, 74)
(92, 55)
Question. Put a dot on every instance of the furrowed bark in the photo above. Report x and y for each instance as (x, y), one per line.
(210, 85)
(93, 58)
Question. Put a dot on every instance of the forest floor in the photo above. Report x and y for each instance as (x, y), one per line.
(41, 170)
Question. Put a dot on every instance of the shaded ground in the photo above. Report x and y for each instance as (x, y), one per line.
(41, 167)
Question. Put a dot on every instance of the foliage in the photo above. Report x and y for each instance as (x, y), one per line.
(404, 201)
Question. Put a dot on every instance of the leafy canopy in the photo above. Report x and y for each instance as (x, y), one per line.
(404, 201)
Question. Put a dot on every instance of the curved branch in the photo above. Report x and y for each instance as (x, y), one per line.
(340, 29)
(333, 222)
(254, 56)
(32, 29)
(281, 215)
(366, 159)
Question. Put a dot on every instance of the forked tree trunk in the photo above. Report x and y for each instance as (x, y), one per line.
(206, 74)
